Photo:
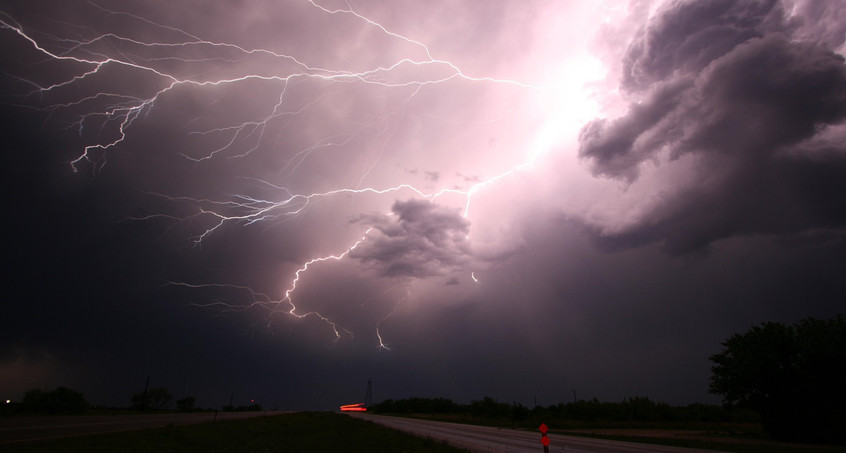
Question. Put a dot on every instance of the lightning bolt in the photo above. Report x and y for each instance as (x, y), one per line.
(122, 110)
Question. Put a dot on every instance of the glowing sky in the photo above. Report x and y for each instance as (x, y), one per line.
(456, 199)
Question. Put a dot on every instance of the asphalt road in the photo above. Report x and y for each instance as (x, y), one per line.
(497, 440)
(36, 428)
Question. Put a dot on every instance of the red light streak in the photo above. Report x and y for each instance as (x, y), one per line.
(358, 407)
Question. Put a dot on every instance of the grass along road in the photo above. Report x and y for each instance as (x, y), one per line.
(27, 428)
(286, 433)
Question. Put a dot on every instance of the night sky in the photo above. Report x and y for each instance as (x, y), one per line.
(280, 200)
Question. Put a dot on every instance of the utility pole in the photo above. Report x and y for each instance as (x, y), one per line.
(144, 396)
(368, 397)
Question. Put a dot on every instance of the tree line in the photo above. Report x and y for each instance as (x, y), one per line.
(791, 378)
(636, 409)
(63, 400)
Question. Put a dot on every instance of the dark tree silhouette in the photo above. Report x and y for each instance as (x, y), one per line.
(155, 399)
(186, 404)
(793, 376)
(62, 400)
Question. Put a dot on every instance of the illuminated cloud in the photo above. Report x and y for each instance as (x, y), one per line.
(725, 93)
(420, 239)
(440, 195)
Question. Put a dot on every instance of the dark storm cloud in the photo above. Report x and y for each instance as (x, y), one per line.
(746, 109)
(419, 239)
(688, 35)
(242, 191)
(611, 144)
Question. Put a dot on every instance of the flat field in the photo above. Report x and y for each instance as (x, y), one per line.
(297, 432)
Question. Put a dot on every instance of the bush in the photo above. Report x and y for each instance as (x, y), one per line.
(156, 398)
(186, 404)
(62, 400)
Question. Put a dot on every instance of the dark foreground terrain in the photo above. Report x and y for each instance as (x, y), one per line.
(298, 432)
(727, 437)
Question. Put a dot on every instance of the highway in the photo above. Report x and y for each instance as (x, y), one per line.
(483, 439)
(36, 428)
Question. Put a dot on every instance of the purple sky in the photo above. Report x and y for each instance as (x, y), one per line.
(282, 200)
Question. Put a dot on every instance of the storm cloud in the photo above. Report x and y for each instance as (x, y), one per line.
(286, 199)
(418, 239)
(741, 112)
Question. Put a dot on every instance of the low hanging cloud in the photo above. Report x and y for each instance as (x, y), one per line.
(417, 239)
(754, 109)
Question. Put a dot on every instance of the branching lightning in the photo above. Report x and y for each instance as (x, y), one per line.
(124, 110)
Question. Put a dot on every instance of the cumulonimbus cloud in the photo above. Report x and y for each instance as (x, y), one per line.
(745, 108)
(417, 239)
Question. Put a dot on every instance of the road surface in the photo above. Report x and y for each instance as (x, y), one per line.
(497, 440)
(36, 428)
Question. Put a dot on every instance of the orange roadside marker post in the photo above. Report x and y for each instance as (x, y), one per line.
(544, 440)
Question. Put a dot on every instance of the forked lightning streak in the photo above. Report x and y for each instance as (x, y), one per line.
(125, 109)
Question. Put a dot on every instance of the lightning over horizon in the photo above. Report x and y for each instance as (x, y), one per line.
(454, 198)
(107, 117)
